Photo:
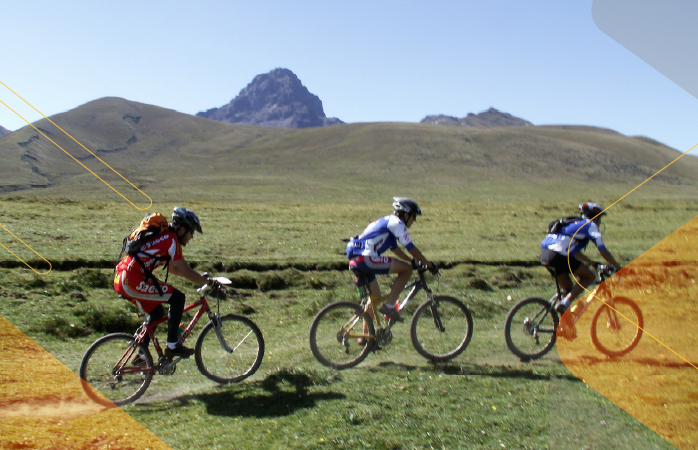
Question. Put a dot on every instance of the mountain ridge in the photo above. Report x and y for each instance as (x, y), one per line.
(490, 118)
(276, 99)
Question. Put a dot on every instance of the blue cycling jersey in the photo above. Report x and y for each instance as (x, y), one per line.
(380, 236)
(585, 231)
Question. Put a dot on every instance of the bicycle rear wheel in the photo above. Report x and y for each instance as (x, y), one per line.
(231, 353)
(441, 329)
(335, 334)
(530, 328)
(109, 382)
(611, 333)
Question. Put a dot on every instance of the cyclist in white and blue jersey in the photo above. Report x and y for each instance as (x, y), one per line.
(364, 252)
(570, 241)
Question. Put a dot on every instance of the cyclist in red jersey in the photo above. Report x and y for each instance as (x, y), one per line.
(132, 281)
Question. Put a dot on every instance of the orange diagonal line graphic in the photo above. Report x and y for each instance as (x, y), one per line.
(75, 159)
(27, 245)
(592, 293)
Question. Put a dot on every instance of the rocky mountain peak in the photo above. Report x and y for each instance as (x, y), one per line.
(4, 131)
(490, 118)
(276, 99)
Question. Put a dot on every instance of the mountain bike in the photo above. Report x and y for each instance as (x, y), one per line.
(440, 330)
(119, 367)
(531, 325)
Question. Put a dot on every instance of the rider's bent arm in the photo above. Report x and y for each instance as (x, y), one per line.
(414, 251)
(400, 254)
(609, 257)
(182, 269)
(584, 258)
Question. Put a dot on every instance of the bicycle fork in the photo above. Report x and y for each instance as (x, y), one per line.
(436, 315)
(217, 328)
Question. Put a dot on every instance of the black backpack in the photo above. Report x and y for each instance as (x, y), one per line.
(556, 226)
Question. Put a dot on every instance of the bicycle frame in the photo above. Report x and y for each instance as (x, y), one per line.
(370, 304)
(600, 289)
(148, 328)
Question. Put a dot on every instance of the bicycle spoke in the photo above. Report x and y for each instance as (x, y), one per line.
(216, 360)
(333, 340)
(441, 329)
(616, 327)
(530, 328)
(107, 368)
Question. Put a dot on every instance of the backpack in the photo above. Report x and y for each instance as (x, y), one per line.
(354, 247)
(152, 226)
(556, 226)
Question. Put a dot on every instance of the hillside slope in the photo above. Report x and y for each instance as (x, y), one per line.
(155, 146)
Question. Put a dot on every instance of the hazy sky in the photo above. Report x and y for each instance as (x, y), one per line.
(544, 61)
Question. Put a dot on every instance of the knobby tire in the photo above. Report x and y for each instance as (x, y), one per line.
(624, 305)
(243, 337)
(327, 342)
(98, 363)
(519, 337)
(443, 337)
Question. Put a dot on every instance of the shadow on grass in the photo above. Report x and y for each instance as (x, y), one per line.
(279, 394)
(475, 370)
(652, 362)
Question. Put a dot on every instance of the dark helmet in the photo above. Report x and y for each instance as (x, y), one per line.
(589, 210)
(186, 217)
(404, 204)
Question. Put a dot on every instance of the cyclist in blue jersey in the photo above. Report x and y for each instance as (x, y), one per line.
(558, 246)
(364, 252)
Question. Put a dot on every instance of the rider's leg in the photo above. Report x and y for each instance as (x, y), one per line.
(174, 317)
(584, 277)
(375, 290)
(155, 315)
(404, 271)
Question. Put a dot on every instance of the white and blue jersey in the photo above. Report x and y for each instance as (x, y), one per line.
(380, 236)
(585, 231)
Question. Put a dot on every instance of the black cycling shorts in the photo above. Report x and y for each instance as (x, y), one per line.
(559, 262)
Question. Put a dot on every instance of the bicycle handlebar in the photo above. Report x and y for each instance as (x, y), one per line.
(218, 283)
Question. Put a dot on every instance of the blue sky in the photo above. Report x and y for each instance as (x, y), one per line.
(544, 61)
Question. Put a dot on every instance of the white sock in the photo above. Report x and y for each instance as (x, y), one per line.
(390, 306)
(171, 345)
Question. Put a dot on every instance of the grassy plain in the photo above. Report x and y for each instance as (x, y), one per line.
(285, 259)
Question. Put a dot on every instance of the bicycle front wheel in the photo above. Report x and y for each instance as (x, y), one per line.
(441, 329)
(611, 333)
(336, 334)
(231, 353)
(530, 328)
(108, 370)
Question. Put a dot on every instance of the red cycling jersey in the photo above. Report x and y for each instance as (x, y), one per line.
(130, 281)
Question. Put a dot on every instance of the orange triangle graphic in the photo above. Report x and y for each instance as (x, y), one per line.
(43, 404)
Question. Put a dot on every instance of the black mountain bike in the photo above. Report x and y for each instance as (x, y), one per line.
(441, 327)
(531, 326)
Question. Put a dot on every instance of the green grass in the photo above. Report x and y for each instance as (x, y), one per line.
(235, 233)
(393, 400)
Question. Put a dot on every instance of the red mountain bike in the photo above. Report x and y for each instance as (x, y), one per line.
(228, 349)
